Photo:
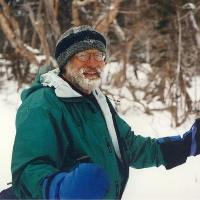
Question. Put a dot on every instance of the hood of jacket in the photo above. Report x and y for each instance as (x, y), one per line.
(62, 88)
(50, 79)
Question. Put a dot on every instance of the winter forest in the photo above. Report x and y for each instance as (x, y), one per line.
(152, 62)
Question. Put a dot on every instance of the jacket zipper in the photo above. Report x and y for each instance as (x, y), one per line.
(117, 189)
(108, 145)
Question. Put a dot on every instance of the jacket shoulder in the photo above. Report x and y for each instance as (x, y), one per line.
(43, 97)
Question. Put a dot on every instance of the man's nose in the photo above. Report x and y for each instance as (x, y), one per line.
(92, 60)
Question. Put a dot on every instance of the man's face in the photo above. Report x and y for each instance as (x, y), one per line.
(86, 75)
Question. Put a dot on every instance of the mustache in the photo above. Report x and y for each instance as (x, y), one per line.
(92, 70)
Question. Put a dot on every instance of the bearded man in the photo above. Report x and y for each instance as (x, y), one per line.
(70, 142)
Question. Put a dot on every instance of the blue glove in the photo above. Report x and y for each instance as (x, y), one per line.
(192, 139)
(176, 149)
(85, 181)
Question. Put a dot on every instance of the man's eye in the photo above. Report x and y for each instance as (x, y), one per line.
(83, 55)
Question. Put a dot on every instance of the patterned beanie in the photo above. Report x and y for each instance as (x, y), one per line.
(78, 39)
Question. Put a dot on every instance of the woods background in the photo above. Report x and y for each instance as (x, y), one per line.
(165, 34)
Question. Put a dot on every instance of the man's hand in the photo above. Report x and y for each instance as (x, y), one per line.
(176, 149)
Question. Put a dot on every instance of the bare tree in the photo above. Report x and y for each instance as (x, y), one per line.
(11, 29)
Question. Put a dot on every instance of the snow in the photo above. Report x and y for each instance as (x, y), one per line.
(182, 182)
(9, 102)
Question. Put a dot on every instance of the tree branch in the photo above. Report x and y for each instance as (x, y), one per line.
(10, 27)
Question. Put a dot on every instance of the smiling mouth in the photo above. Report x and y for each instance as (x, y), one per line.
(93, 74)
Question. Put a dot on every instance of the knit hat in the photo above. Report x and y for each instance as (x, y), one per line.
(78, 39)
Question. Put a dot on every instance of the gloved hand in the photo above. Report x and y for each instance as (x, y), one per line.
(176, 149)
(191, 140)
(85, 181)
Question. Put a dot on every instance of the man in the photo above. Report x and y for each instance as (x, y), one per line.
(70, 143)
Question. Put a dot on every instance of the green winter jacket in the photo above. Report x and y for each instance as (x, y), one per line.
(55, 126)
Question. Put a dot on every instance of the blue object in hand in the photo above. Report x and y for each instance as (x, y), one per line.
(85, 181)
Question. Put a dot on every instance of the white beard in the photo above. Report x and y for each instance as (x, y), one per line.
(77, 77)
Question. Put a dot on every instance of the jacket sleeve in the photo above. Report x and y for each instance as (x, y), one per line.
(36, 152)
(145, 152)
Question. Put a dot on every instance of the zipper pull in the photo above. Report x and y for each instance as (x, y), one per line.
(85, 159)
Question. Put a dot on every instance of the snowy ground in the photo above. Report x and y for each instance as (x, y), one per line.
(182, 182)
